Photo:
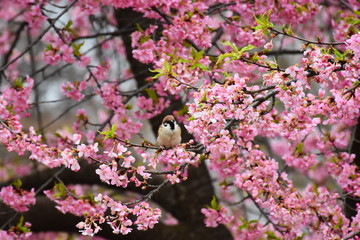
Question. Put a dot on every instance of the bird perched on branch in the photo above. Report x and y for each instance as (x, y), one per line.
(169, 134)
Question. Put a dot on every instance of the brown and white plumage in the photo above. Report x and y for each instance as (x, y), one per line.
(169, 134)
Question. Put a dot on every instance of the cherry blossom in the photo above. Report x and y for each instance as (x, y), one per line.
(254, 118)
(17, 199)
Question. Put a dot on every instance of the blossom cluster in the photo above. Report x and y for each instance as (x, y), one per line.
(257, 123)
(17, 199)
(215, 217)
(120, 219)
(72, 199)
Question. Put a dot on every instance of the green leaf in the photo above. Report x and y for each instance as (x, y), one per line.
(263, 22)
(224, 55)
(334, 159)
(204, 99)
(21, 221)
(152, 94)
(10, 108)
(337, 53)
(246, 224)
(316, 190)
(182, 60)
(214, 204)
(202, 157)
(339, 56)
(17, 183)
(48, 47)
(246, 48)
(60, 190)
(76, 48)
(159, 71)
(18, 83)
(197, 55)
(299, 148)
(284, 87)
(356, 12)
(89, 196)
(58, 135)
(144, 39)
(352, 20)
(233, 45)
(138, 27)
(110, 133)
(288, 30)
(236, 54)
(201, 66)
(68, 25)
(272, 64)
(224, 183)
(324, 50)
(69, 29)
(190, 14)
(167, 67)
(339, 225)
(182, 111)
(166, 70)
(20, 225)
(271, 235)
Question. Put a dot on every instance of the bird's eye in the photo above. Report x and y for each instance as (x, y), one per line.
(165, 124)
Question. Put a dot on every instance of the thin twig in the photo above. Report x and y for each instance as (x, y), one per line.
(113, 34)
(36, 193)
(66, 111)
(348, 6)
(306, 40)
(351, 235)
(277, 227)
(148, 196)
(218, 7)
(3, 68)
(13, 45)
(137, 145)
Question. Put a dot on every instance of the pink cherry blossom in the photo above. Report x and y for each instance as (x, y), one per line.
(215, 217)
(266, 92)
(17, 199)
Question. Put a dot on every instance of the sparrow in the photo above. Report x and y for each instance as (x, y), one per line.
(169, 134)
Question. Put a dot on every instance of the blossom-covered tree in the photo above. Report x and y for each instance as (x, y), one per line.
(266, 93)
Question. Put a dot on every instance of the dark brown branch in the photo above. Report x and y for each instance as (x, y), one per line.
(163, 15)
(283, 52)
(113, 34)
(261, 65)
(36, 90)
(149, 195)
(13, 45)
(218, 7)
(348, 6)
